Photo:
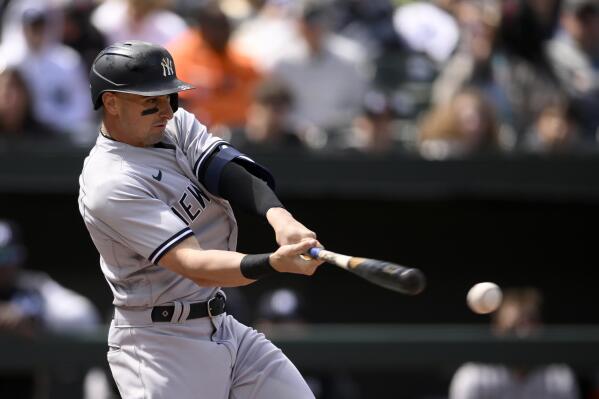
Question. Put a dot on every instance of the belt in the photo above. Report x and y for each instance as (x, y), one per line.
(212, 307)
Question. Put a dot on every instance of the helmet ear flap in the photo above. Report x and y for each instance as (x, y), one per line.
(174, 98)
(98, 103)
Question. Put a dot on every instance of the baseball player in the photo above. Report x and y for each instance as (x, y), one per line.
(154, 194)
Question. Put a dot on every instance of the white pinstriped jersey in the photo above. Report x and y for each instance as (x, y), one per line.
(138, 203)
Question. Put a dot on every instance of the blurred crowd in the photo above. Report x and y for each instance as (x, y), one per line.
(439, 79)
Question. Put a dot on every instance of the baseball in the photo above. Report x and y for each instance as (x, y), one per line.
(484, 298)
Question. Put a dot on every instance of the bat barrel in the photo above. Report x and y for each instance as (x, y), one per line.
(388, 275)
(412, 281)
(395, 277)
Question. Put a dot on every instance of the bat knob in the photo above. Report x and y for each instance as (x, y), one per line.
(413, 281)
(314, 252)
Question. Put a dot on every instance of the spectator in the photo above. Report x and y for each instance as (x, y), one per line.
(31, 303)
(426, 34)
(328, 87)
(146, 20)
(269, 124)
(428, 27)
(465, 126)
(526, 25)
(519, 316)
(16, 116)
(476, 61)
(516, 88)
(78, 32)
(54, 73)
(282, 307)
(13, 43)
(224, 79)
(575, 55)
(556, 131)
(268, 34)
(369, 23)
(373, 131)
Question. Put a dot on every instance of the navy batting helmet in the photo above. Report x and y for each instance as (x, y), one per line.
(135, 67)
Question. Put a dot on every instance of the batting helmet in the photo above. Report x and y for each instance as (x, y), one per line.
(135, 67)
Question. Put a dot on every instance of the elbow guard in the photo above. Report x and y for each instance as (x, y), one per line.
(224, 154)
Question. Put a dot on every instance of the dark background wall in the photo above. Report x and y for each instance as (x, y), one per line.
(458, 241)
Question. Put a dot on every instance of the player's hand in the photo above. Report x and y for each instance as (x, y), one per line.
(287, 229)
(288, 258)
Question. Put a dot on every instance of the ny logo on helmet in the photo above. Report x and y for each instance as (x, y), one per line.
(167, 67)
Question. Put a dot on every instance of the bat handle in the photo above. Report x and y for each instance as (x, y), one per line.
(313, 252)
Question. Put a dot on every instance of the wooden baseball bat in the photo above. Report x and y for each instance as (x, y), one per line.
(385, 274)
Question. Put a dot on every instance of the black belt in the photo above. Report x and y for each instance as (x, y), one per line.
(212, 307)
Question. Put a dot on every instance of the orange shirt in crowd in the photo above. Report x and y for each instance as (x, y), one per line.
(224, 83)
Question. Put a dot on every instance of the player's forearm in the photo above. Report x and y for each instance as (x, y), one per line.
(287, 229)
(277, 217)
(214, 268)
(208, 267)
(222, 270)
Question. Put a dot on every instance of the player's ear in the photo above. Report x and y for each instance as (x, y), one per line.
(109, 100)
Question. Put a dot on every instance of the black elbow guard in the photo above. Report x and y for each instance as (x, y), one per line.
(220, 158)
(241, 181)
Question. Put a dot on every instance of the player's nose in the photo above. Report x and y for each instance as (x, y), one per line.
(166, 111)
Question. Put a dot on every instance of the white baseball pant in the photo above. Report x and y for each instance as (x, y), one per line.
(205, 358)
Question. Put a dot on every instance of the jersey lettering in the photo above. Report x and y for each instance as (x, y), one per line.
(192, 205)
(197, 193)
(176, 212)
(187, 208)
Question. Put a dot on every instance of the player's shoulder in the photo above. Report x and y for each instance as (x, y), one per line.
(106, 174)
(184, 117)
(100, 160)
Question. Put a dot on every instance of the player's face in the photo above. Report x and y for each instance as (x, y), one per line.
(144, 118)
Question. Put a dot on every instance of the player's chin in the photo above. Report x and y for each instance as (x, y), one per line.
(155, 135)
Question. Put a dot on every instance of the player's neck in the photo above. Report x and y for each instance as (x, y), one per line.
(104, 132)
(111, 130)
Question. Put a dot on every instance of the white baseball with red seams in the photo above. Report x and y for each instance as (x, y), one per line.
(484, 297)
